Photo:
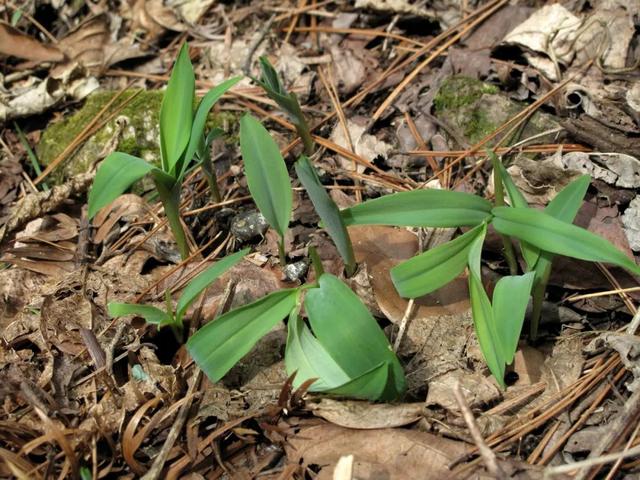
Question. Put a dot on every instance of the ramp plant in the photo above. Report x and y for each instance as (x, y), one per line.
(542, 234)
(344, 348)
(173, 318)
(270, 187)
(287, 101)
(182, 139)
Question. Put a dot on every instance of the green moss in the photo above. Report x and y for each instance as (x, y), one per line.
(460, 91)
(134, 130)
(474, 109)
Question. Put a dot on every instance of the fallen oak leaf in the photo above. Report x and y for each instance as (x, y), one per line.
(14, 43)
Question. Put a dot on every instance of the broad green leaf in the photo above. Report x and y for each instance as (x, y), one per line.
(176, 111)
(372, 385)
(200, 119)
(116, 173)
(305, 355)
(420, 208)
(548, 233)
(204, 279)
(483, 313)
(221, 343)
(328, 211)
(434, 268)
(348, 332)
(510, 299)
(266, 173)
(149, 313)
(565, 205)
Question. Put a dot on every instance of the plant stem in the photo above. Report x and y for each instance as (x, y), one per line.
(170, 198)
(509, 251)
(283, 257)
(212, 179)
(543, 271)
(305, 135)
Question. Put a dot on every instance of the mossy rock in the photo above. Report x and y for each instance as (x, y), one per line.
(474, 109)
(134, 130)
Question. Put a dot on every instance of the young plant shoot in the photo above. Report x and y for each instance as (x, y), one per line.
(170, 317)
(267, 177)
(542, 234)
(349, 354)
(182, 139)
(288, 102)
(328, 211)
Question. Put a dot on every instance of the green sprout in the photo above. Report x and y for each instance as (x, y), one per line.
(267, 177)
(347, 353)
(173, 318)
(270, 187)
(182, 139)
(287, 101)
(542, 234)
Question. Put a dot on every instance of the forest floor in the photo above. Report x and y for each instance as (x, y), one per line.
(400, 96)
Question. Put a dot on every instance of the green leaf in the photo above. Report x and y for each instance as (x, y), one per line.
(420, 208)
(221, 343)
(328, 211)
(270, 79)
(556, 236)
(149, 313)
(176, 112)
(565, 205)
(434, 268)
(371, 385)
(204, 279)
(348, 332)
(200, 119)
(510, 299)
(116, 173)
(515, 196)
(483, 313)
(266, 173)
(305, 355)
(529, 252)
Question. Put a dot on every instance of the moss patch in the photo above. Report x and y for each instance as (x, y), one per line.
(474, 109)
(460, 91)
(134, 130)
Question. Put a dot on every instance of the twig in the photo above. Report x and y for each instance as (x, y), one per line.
(403, 325)
(246, 69)
(630, 411)
(487, 454)
(590, 462)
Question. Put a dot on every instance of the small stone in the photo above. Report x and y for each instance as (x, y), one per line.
(294, 271)
(247, 225)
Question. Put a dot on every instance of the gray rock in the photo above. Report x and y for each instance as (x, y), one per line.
(247, 225)
(294, 271)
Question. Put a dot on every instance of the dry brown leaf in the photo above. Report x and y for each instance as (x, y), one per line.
(382, 248)
(384, 453)
(365, 415)
(14, 43)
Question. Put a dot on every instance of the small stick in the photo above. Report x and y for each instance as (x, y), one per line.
(246, 69)
(403, 325)
(487, 454)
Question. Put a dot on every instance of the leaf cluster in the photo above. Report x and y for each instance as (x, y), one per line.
(182, 139)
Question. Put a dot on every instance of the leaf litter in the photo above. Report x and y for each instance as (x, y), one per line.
(83, 389)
